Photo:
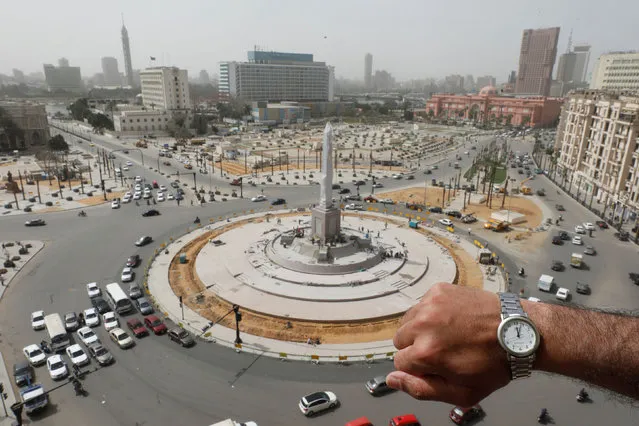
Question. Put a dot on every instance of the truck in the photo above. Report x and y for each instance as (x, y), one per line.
(141, 144)
(576, 260)
(496, 225)
(545, 283)
(34, 398)
(526, 190)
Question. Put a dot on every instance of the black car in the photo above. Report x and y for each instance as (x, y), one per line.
(564, 235)
(22, 373)
(622, 236)
(601, 224)
(175, 185)
(557, 240)
(100, 305)
(454, 213)
(557, 265)
(360, 183)
(344, 191)
(278, 201)
(634, 277)
(410, 177)
(435, 209)
(143, 241)
(181, 336)
(151, 212)
(427, 172)
(583, 288)
(560, 207)
(336, 186)
(35, 222)
(133, 261)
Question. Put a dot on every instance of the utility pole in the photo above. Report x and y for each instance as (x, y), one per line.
(238, 318)
(370, 162)
(40, 198)
(90, 174)
(245, 161)
(221, 168)
(304, 161)
(21, 185)
(82, 182)
(503, 200)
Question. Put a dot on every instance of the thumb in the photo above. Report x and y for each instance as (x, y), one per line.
(429, 387)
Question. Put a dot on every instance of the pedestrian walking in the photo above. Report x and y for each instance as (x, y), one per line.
(469, 231)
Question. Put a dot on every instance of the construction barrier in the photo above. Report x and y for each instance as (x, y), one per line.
(342, 358)
(450, 229)
(283, 355)
(238, 345)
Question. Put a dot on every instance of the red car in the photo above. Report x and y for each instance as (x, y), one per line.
(405, 420)
(370, 199)
(136, 328)
(461, 415)
(155, 324)
(601, 224)
(362, 421)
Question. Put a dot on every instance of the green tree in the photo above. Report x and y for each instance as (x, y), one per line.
(509, 119)
(100, 122)
(525, 120)
(80, 109)
(200, 124)
(57, 143)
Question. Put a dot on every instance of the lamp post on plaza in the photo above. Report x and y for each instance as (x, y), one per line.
(238, 318)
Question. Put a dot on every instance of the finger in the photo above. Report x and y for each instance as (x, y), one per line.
(431, 388)
(409, 361)
(404, 336)
(410, 314)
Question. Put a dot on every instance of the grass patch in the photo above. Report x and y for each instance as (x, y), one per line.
(500, 175)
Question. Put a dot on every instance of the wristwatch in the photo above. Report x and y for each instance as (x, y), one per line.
(517, 335)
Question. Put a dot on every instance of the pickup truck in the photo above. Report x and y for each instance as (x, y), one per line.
(34, 398)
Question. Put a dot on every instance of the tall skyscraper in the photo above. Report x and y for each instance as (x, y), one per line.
(566, 67)
(63, 62)
(110, 71)
(368, 70)
(63, 78)
(581, 62)
(204, 77)
(536, 61)
(126, 49)
(512, 77)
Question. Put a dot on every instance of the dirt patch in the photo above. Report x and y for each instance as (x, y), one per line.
(429, 196)
(237, 168)
(184, 281)
(99, 199)
(522, 205)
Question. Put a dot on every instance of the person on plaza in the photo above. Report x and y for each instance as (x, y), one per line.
(449, 349)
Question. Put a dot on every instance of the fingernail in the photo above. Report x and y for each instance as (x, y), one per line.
(392, 381)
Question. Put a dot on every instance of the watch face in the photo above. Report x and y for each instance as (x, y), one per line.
(518, 336)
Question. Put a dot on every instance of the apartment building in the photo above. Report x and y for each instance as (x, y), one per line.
(598, 144)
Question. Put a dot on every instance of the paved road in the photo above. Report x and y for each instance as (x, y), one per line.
(159, 383)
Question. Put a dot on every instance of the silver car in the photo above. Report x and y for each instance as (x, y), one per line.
(377, 386)
(135, 292)
(144, 306)
(100, 353)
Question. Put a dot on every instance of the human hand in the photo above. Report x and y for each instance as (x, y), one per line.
(448, 347)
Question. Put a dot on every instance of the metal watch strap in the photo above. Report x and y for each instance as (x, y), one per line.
(520, 367)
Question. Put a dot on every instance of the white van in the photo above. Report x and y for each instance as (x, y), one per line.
(117, 299)
(118, 172)
(57, 333)
(545, 283)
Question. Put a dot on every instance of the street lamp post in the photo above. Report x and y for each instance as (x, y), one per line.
(238, 318)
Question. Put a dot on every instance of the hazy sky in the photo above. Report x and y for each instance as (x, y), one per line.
(410, 39)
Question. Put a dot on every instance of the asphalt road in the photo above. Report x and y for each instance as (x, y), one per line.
(159, 383)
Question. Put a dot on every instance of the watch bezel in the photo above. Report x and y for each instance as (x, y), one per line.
(518, 318)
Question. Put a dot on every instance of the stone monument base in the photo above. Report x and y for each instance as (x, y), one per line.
(325, 223)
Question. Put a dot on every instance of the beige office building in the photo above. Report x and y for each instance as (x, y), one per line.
(165, 88)
(598, 143)
(616, 71)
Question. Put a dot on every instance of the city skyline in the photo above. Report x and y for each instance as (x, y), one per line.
(339, 40)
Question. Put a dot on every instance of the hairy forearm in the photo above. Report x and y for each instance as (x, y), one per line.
(598, 347)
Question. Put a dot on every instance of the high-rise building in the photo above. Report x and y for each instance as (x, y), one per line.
(486, 80)
(616, 71)
(110, 71)
(469, 83)
(572, 66)
(165, 88)
(512, 77)
(566, 67)
(597, 141)
(204, 77)
(63, 62)
(64, 78)
(581, 62)
(536, 61)
(275, 76)
(383, 80)
(454, 83)
(126, 50)
(18, 75)
(368, 70)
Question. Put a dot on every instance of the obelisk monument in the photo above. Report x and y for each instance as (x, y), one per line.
(326, 217)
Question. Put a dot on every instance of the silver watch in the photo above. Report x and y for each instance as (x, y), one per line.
(517, 335)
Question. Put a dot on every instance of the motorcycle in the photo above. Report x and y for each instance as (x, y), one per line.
(543, 416)
(521, 272)
(197, 220)
(45, 347)
(79, 389)
(82, 214)
(582, 396)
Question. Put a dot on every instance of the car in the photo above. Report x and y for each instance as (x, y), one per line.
(410, 177)
(564, 235)
(163, 188)
(622, 236)
(469, 219)
(142, 241)
(377, 386)
(91, 317)
(155, 324)
(576, 240)
(115, 204)
(127, 199)
(138, 179)
(588, 226)
(465, 415)
(386, 201)
(534, 299)
(87, 336)
(580, 229)
(138, 187)
(100, 304)
(435, 209)
(161, 196)
(563, 294)
(370, 199)
(179, 196)
(110, 321)
(34, 354)
(175, 184)
(336, 186)
(127, 275)
(121, 338)
(353, 197)
(125, 168)
(583, 288)
(57, 367)
(128, 163)
(170, 196)
(188, 166)
(353, 206)
(181, 336)
(133, 261)
(634, 277)
(71, 321)
(35, 222)
(100, 353)
(136, 327)
(405, 420)
(37, 320)
(135, 291)
(93, 290)
(137, 195)
(428, 172)
(278, 201)
(144, 306)
(454, 213)
(361, 421)
(397, 177)
(147, 195)
(590, 250)
(344, 191)
(378, 185)
(446, 222)
(258, 198)
(316, 402)
(560, 207)
(77, 355)
(557, 265)
(601, 224)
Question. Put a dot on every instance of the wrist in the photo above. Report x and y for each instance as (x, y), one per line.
(548, 356)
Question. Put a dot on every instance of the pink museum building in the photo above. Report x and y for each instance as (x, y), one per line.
(536, 111)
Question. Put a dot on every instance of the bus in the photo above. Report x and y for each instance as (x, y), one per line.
(57, 333)
(117, 299)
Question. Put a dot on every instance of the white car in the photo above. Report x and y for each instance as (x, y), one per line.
(93, 290)
(580, 229)
(34, 355)
(353, 206)
(534, 299)
(127, 199)
(127, 275)
(121, 337)
(563, 293)
(110, 321)
(147, 195)
(397, 176)
(57, 368)
(125, 169)
(91, 317)
(129, 163)
(37, 320)
(128, 194)
(138, 179)
(589, 226)
(115, 204)
(317, 402)
(576, 240)
(163, 188)
(87, 336)
(378, 185)
(161, 196)
(138, 187)
(77, 355)
(170, 196)
(258, 198)
(137, 195)
(446, 222)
